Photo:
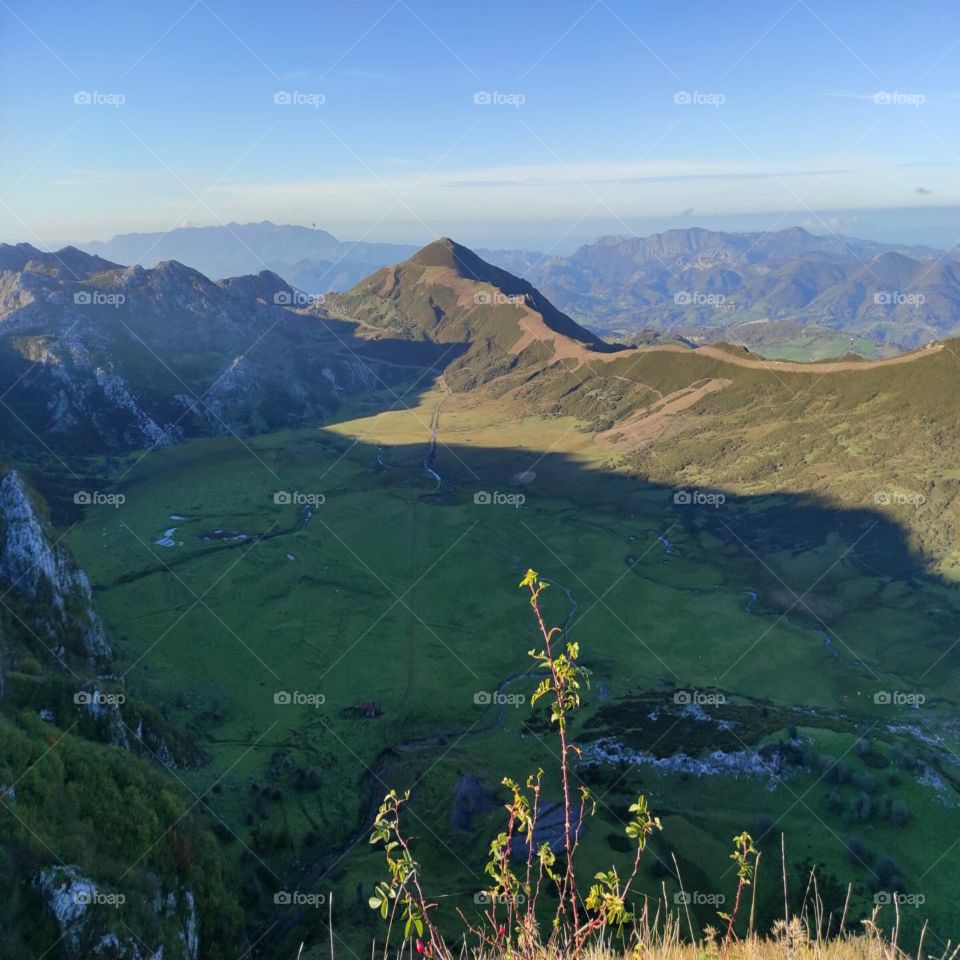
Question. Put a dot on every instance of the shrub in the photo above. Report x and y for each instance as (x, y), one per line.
(858, 852)
(511, 924)
(899, 813)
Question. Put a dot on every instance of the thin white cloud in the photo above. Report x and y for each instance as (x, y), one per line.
(74, 204)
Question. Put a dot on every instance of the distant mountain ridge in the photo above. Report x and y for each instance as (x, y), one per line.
(765, 290)
(705, 284)
(309, 258)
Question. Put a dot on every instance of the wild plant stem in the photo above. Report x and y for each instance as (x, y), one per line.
(733, 916)
(570, 889)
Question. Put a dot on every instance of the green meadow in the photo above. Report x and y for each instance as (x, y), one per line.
(330, 621)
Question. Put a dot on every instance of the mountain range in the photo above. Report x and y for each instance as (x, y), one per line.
(442, 385)
(95, 355)
(785, 293)
(310, 259)
(758, 289)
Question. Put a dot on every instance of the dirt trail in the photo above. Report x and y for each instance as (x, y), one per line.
(660, 420)
(828, 366)
(534, 329)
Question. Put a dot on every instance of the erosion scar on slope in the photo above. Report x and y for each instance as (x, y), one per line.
(659, 420)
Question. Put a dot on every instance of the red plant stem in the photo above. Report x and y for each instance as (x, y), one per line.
(570, 888)
(733, 916)
(633, 873)
(505, 871)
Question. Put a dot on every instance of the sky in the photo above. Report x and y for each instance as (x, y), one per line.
(537, 123)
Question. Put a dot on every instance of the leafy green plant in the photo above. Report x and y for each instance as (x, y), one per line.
(743, 851)
(402, 892)
(511, 920)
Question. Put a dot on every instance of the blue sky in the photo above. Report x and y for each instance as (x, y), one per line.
(594, 116)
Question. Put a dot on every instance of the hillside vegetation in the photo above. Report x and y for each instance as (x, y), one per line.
(306, 599)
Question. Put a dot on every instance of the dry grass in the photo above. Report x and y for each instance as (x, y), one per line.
(787, 941)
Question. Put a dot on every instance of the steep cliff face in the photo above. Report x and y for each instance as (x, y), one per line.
(92, 920)
(53, 590)
(68, 729)
(99, 357)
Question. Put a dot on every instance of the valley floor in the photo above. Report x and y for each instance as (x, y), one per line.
(360, 629)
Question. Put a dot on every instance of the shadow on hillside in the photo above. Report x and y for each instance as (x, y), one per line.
(764, 523)
(757, 537)
(389, 374)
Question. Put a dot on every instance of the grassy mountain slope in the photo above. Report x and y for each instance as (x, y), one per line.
(847, 429)
(446, 292)
(105, 853)
(353, 632)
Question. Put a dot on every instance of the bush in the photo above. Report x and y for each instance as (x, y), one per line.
(858, 852)
(899, 813)
(864, 783)
(888, 876)
(579, 920)
(860, 809)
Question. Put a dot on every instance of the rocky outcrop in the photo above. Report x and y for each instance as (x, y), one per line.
(738, 763)
(93, 921)
(54, 591)
(143, 427)
(68, 894)
(103, 357)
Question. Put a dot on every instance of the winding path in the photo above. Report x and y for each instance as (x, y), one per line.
(434, 434)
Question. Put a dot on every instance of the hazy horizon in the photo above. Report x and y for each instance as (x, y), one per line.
(934, 227)
(754, 118)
